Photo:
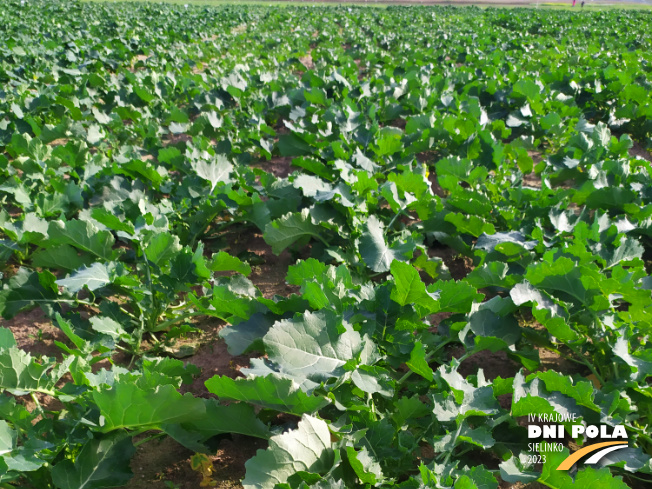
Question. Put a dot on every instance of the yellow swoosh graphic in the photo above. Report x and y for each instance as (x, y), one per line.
(571, 459)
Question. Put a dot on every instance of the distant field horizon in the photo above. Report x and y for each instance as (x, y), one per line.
(589, 4)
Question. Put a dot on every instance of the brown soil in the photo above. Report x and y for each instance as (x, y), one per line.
(213, 359)
(58, 142)
(520, 485)
(537, 156)
(280, 166)
(362, 71)
(434, 184)
(492, 364)
(307, 61)
(532, 180)
(160, 460)
(281, 128)
(269, 275)
(549, 359)
(174, 139)
(437, 318)
(459, 266)
(35, 333)
(231, 457)
(638, 150)
(552, 361)
(399, 123)
(164, 460)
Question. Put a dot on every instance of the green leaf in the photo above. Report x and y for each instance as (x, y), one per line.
(270, 392)
(246, 334)
(112, 221)
(469, 224)
(293, 145)
(26, 289)
(494, 274)
(217, 170)
(479, 436)
(7, 438)
(218, 419)
(485, 322)
(418, 363)
(513, 470)
(528, 88)
(373, 247)
(20, 372)
(482, 477)
(60, 256)
(288, 229)
(465, 399)
(550, 120)
(563, 276)
(455, 296)
(312, 186)
(314, 346)
(94, 134)
(162, 247)
(640, 368)
(585, 477)
(7, 339)
(408, 408)
(582, 391)
(389, 141)
(533, 398)
(102, 462)
(18, 112)
(373, 380)
(23, 460)
(307, 448)
(489, 242)
(7, 249)
(143, 94)
(409, 289)
(305, 270)
(464, 482)
(127, 405)
(610, 198)
(628, 249)
(364, 465)
(93, 277)
(525, 292)
(84, 236)
(227, 304)
(601, 134)
(223, 262)
(67, 329)
(108, 326)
